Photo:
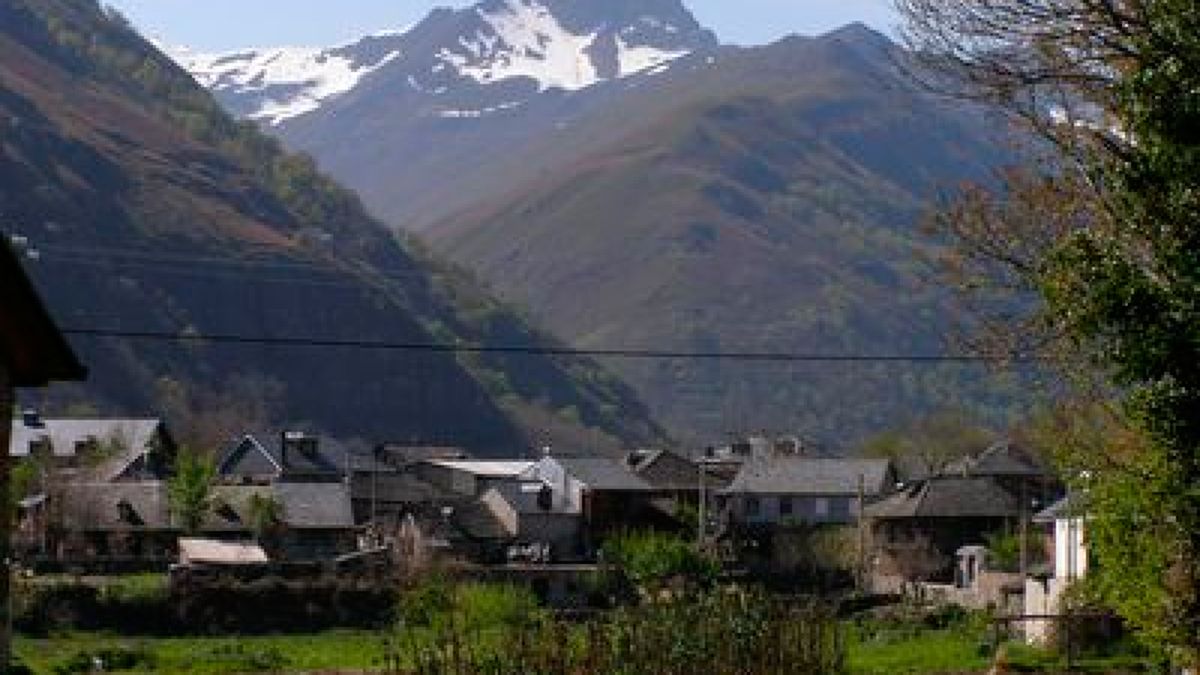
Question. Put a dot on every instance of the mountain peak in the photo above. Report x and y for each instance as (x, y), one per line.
(861, 35)
(565, 45)
(573, 44)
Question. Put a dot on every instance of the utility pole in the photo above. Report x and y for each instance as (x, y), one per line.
(861, 566)
(1024, 531)
(702, 523)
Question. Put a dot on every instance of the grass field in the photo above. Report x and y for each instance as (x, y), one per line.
(339, 650)
(933, 651)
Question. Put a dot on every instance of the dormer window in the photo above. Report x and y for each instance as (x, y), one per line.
(128, 514)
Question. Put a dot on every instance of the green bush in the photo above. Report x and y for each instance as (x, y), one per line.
(651, 560)
(484, 606)
(443, 606)
(428, 604)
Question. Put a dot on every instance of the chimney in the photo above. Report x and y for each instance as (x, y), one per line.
(289, 441)
(30, 418)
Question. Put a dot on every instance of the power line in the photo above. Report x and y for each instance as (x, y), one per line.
(648, 354)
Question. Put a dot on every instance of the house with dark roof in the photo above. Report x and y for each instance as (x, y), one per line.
(132, 521)
(1013, 467)
(675, 475)
(606, 495)
(95, 449)
(287, 455)
(940, 516)
(315, 519)
(95, 525)
(306, 477)
(791, 489)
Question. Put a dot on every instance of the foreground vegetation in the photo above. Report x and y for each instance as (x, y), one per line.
(471, 629)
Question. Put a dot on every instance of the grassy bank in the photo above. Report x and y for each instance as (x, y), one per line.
(933, 651)
(335, 650)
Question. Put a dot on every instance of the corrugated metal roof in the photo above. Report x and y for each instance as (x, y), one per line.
(811, 476)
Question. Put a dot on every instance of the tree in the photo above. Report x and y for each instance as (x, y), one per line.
(266, 520)
(925, 446)
(190, 490)
(1114, 85)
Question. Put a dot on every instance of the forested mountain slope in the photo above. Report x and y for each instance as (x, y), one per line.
(152, 211)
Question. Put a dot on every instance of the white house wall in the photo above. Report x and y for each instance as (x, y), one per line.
(1070, 549)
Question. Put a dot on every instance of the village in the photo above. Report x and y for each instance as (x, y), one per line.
(568, 337)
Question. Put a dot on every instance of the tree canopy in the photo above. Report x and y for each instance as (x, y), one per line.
(1114, 85)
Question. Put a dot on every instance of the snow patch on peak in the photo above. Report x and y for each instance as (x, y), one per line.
(524, 39)
(295, 80)
(644, 59)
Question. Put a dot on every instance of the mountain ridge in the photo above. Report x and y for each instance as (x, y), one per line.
(761, 199)
(154, 212)
(547, 44)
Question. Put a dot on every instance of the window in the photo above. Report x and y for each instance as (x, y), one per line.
(821, 507)
(786, 508)
(753, 507)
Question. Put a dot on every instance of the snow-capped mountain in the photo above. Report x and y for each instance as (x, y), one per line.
(277, 84)
(518, 47)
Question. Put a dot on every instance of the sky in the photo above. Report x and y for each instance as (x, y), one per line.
(221, 25)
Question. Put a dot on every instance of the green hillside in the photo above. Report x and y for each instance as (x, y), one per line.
(767, 204)
(153, 211)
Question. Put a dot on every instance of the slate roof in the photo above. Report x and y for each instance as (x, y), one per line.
(32, 347)
(108, 507)
(811, 476)
(261, 454)
(602, 473)
(315, 505)
(948, 497)
(306, 506)
(136, 437)
(1001, 459)
(1071, 505)
(667, 470)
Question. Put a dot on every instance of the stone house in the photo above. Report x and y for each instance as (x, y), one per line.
(786, 489)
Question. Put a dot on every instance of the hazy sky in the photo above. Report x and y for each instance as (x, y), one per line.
(211, 25)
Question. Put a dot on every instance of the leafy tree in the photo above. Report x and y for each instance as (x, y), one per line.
(266, 520)
(651, 560)
(1115, 86)
(927, 445)
(190, 489)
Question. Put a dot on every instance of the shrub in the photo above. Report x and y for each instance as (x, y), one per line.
(484, 606)
(651, 560)
(710, 634)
